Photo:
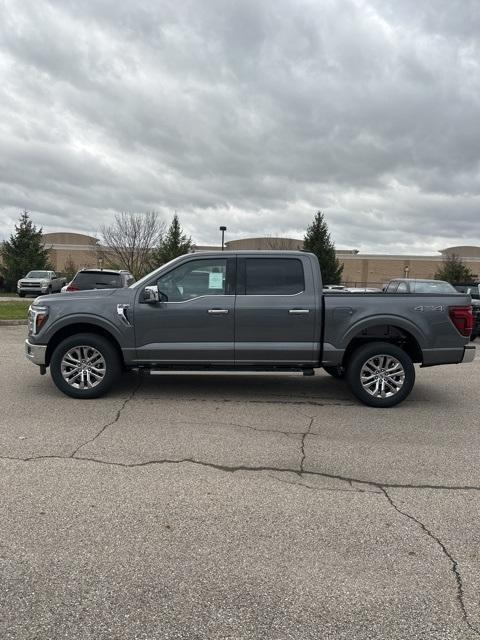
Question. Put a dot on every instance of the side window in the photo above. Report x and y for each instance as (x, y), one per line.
(392, 286)
(273, 276)
(402, 288)
(53, 275)
(194, 279)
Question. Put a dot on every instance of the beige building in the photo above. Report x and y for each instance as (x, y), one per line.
(359, 269)
(84, 251)
(377, 269)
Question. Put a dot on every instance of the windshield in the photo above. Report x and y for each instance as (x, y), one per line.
(97, 280)
(38, 274)
(432, 287)
(146, 278)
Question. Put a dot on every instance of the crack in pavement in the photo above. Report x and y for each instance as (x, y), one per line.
(447, 554)
(221, 423)
(112, 422)
(333, 489)
(302, 445)
(246, 468)
(233, 469)
(312, 403)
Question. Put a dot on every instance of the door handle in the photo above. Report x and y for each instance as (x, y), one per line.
(299, 311)
(217, 311)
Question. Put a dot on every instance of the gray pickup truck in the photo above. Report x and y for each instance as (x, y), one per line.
(40, 283)
(252, 311)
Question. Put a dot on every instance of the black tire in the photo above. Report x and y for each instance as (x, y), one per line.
(337, 372)
(22, 295)
(374, 350)
(112, 365)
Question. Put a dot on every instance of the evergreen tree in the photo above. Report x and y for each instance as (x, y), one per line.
(24, 252)
(454, 270)
(175, 243)
(317, 240)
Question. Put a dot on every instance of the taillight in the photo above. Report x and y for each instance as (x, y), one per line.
(71, 287)
(462, 318)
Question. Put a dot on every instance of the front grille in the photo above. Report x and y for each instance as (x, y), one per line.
(33, 285)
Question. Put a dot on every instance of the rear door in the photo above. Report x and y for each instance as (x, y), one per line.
(276, 313)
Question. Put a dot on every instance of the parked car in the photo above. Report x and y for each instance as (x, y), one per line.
(250, 311)
(87, 279)
(363, 290)
(473, 289)
(40, 283)
(412, 285)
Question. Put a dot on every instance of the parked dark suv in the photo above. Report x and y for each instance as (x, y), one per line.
(87, 279)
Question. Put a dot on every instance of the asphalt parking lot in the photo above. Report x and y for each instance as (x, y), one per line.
(237, 506)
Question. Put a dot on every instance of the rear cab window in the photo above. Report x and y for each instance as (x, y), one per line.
(273, 276)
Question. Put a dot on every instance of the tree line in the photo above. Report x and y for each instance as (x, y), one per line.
(140, 243)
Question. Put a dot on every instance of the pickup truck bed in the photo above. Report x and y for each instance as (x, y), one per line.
(420, 321)
(262, 310)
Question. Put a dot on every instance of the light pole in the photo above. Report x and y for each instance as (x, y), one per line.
(223, 229)
(406, 271)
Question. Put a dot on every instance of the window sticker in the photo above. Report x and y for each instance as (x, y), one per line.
(215, 280)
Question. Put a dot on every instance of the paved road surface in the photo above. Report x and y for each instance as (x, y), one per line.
(244, 506)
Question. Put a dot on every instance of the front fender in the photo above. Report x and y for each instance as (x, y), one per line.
(119, 332)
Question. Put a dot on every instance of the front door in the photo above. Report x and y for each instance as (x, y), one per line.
(194, 322)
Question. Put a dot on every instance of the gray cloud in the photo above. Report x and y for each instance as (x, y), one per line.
(248, 114)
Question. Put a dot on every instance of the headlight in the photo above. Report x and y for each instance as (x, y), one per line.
(37, 316)
(43, 283)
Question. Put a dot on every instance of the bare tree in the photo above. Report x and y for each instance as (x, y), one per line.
(130, 240)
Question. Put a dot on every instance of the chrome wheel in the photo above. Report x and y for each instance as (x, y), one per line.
(83, 367)
(382, 376)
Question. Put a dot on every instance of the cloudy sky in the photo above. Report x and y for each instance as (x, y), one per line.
(248, 113)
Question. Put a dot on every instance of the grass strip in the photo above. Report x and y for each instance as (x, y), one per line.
(14, 310)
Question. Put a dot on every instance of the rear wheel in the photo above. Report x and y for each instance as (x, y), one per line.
(380, 374)
(336, 372)
(85, 366)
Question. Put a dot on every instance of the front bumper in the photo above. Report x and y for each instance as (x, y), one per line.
(36, 353)
(35, 291)
(468, 354)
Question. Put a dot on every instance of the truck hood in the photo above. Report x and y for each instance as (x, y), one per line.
(89, 294)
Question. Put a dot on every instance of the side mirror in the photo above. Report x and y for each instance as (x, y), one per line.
(151, 294)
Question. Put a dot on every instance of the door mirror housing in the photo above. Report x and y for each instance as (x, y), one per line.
(151, 294)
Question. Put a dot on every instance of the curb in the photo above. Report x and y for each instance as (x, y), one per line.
(12, 323)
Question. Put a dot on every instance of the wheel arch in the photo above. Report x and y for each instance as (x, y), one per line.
(385, 332)
(80, 327)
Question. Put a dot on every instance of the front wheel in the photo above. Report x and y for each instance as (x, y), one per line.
(380, 374)
(85, 366)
